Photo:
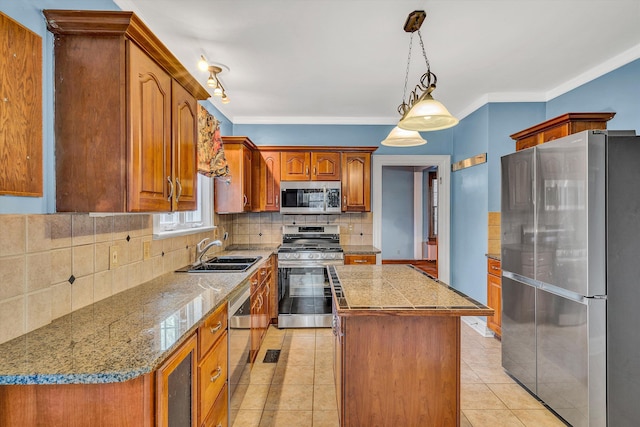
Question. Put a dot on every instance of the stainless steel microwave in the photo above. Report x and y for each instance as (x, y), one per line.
(310, 197)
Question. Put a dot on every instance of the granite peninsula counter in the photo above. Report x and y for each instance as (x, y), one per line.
(124, 336)
(397, 345)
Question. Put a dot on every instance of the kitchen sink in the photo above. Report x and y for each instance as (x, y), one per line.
(222, 264)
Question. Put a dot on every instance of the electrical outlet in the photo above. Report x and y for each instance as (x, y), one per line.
(350, 228)
(113, 257)
(146, 250)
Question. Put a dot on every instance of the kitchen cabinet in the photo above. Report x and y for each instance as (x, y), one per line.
(21, 112)
(310, 166)
(356, 182)
(177, 387)
(494, 295)
(560, 126)
(269, 181)
(235, 193)
(213, 368)
(262, 290)
(125, 130)
(361, 259)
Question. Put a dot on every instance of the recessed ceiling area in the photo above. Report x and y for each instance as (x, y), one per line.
(344, 61)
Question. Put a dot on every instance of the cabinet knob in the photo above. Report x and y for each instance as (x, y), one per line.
(217, 374)
(216, 328)
(276, 201)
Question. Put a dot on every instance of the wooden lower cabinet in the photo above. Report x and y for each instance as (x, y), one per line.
(359, 259)
(397, 370)
(262, 290)
(219, 415)
(494, 295)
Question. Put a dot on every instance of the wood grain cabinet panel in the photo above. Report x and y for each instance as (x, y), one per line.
(236, 195)
(295, 166)
(21, 110)
(356, 182)
(269, 181)
(125, 116)
(494, 295)
(325, 166)
(359, 259)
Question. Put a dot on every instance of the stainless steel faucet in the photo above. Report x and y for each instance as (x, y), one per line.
(200, 250)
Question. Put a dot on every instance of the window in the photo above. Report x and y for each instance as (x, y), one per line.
(181, 223)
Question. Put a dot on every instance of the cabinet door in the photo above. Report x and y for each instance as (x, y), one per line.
(177, 387)
(295, 166)
(247, 160)
(494, 291)
(270, 181)
(356, 182)
(149, 178)
(185, 133)
(337, 360)
(325, 166)
(255, 325)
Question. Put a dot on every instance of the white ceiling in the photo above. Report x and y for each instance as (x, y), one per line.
(344, 61)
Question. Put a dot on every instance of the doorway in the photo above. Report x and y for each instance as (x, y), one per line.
(442, 220)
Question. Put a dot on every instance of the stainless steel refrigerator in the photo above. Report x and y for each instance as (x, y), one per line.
(571, 275)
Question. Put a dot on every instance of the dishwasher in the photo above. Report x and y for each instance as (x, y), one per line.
(239, 343)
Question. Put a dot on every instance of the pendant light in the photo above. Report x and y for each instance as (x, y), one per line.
(214, 81)
(421, 112)
(403, 138)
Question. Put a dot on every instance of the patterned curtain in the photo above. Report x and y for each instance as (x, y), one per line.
(211, 160)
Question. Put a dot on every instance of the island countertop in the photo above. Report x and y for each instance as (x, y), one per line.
(398, 290)
(124, 336)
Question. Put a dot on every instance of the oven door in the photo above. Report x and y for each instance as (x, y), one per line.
(304, 296)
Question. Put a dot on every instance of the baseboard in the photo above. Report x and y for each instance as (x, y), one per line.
(479, 325)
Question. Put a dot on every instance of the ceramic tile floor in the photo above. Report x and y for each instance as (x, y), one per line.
(298, 391)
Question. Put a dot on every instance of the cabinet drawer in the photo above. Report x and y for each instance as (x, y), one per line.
(212, 329)
(212, 374)
(219, 413)
(493, 267)
(359, 259)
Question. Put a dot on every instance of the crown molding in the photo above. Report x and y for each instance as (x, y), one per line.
(310, 120)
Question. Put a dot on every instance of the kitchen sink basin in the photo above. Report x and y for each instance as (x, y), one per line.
(223, 264)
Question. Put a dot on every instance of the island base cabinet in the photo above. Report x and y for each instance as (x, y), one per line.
(128, 403)
(398, 370)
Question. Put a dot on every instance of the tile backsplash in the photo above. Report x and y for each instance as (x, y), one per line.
(53, 264)
(266, 227)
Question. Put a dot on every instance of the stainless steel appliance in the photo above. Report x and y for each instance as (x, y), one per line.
(570, 286)
(304, 293)
(239, 343)
(310, 197)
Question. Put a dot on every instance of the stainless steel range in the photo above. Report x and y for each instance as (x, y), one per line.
(304, 294)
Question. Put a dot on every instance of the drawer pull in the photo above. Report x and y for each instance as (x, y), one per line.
(263, 273)
(254, 282)
(360, 260)
(493, 267)
(216, 328)
(217, 374)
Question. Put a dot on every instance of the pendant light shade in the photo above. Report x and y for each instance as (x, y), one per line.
(427, 115)
(403, 138)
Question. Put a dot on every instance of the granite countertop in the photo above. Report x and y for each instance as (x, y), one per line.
(493, 256)
(360, 249)
(398, 289)
(124, 336)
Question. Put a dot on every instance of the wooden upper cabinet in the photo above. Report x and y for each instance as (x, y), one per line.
(269, 181)
(295, 166)
(235, 194)
(310, 166)
(125, 116)
(21, 112)
(325, 166)
(559, 127)
(356, 182)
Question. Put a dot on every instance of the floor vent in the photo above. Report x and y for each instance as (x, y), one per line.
(271, 356)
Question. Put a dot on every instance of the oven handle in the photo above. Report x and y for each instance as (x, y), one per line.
(302, 264)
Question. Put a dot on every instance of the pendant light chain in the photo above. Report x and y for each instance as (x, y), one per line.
(406, 76)
(424, 52)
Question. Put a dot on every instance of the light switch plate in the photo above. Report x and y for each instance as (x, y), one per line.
(146, 250)
(113, 257)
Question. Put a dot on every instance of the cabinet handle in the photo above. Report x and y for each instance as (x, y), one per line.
(216, 328)
(260, 301)
(344, 203)
(179, 189)
(170, 188)
(360, 260)
(217, 374)
(254, 282)
(493, 267)
(263, 273)
(314, 171)
(244, 196)
(276, 201)
(307, 171)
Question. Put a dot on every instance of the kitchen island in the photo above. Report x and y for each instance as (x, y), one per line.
(397, 346)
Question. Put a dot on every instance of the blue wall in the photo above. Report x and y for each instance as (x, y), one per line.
(397, 212)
